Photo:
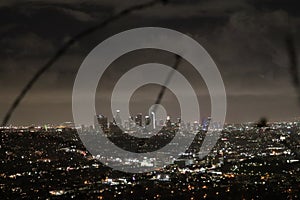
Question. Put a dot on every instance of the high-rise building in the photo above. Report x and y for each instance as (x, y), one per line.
(168, 122)
(118, 120)
(178, 122)
(139, 119)
(161, 123)
(153, 120)
(147, 120)
(206, 123)
(195, 126)
(102, 121)
(131, 122)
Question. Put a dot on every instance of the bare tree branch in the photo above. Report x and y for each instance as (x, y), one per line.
(163, 87)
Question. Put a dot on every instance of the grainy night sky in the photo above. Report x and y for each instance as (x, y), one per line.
(246, 39)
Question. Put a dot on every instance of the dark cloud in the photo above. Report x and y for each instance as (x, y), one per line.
(245, 38)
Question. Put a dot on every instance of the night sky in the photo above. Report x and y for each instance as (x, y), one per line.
(246, 39)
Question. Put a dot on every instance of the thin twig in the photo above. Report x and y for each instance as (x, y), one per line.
(163, 87)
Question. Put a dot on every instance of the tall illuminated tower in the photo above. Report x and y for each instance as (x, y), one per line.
(118, 118)
(153, 120)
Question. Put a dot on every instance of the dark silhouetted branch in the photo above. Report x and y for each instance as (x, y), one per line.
(163, 87)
